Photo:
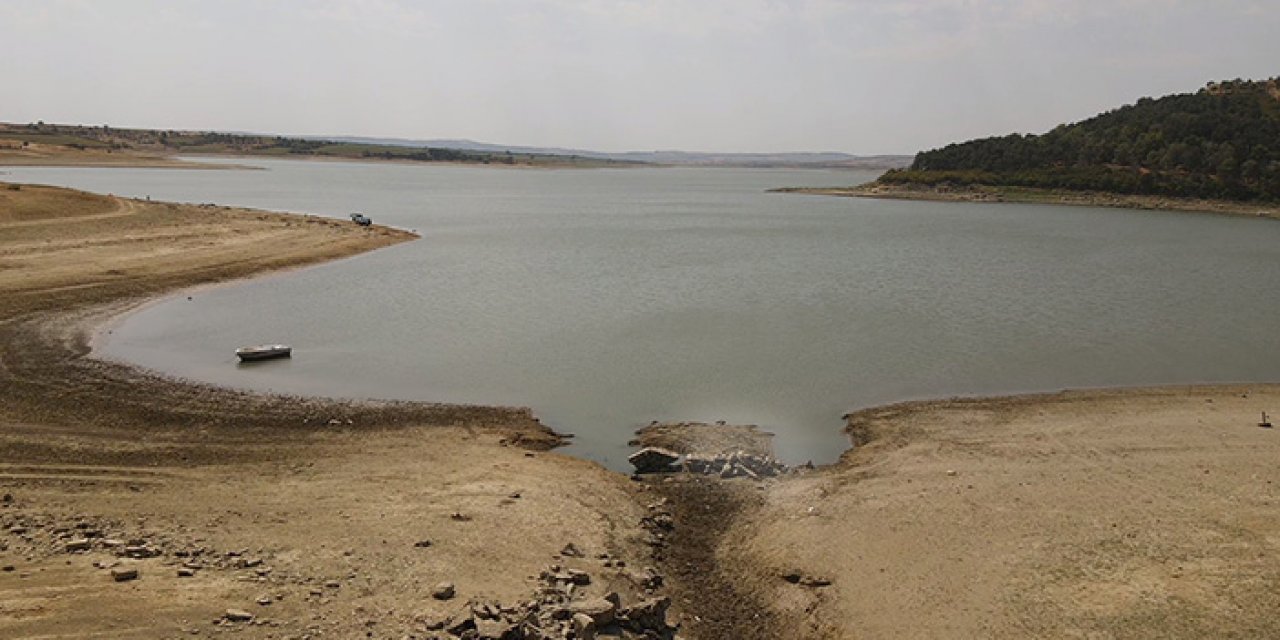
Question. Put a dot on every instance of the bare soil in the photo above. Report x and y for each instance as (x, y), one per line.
(322, 518)
(1103, 514)
(1141, 513)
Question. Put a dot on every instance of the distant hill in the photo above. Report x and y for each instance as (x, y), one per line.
(155, 141)
(16, 138)
(1222, 142)
(676, 158)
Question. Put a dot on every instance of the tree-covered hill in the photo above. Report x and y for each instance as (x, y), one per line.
(1220, 142)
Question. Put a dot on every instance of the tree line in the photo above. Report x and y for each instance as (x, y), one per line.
(1220, 142)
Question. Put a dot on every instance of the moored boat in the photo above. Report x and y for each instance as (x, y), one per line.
(264, 352)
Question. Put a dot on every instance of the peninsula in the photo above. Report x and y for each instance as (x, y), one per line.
(1217, 149)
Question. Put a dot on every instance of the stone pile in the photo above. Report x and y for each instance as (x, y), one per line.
(560, 611)
(42, 534)
(738, 464)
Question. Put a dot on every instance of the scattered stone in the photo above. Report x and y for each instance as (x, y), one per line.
(459, 516)
(422, 544)
(571, 551)
(443, 591)
(648, 615)
(584, 628)
(803, 579)
(237, 615)
(493, 629)
(186, 573)
(600, 610)
(124, 575)
(264, 601)
(78, 545)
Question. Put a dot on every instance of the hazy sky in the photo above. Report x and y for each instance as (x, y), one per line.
(861, 76)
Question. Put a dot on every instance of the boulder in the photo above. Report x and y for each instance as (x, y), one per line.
(237, 615)
(653, 460)
(600, 610)
(123, 575)
(647, 615)
(443, 591)
(493, 629)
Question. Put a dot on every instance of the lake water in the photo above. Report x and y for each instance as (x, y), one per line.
(605, 299)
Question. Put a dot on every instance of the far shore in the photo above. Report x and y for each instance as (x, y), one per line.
(1024, 195)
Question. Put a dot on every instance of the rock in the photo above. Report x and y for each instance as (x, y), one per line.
(81, 544)
(123, 575)
(460, 623)
(422, 544)
(458, 516)
(493, 629)
(648, 615)
(584, 628)
(237, 615)
(580, 578)
(570, 550)
(443, 591)
(600, 610)
(653, 460)
(264, 601)
(186, 573)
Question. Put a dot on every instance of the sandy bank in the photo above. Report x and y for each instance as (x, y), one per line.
(1116, 513)
(982, 193)
(1146, 513)
(327, 518)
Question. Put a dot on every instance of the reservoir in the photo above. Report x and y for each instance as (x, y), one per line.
(607, 298)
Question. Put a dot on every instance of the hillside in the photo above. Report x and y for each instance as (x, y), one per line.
(1222, 142)
(59, 143)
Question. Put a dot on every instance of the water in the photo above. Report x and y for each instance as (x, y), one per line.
(608, 298)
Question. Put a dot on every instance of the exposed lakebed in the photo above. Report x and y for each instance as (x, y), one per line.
(605, 299)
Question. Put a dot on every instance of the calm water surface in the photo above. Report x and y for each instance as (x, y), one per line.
(608, 298)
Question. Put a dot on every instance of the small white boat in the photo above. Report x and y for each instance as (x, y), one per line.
(264, 352)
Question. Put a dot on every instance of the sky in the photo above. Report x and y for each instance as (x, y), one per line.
(857, 76)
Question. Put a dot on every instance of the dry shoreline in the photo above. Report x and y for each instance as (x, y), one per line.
(1107, 513)
(381, 500)
(1022, 195)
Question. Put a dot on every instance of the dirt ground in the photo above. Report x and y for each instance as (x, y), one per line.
(1105, 514)
(1093, 514)
(322, 519)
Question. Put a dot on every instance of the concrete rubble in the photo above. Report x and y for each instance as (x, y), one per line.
(559, 611)
(738, 464)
